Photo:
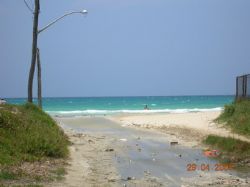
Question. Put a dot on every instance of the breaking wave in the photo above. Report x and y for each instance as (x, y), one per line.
(107, 112)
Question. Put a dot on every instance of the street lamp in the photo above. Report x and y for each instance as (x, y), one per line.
(56, 20)
(39, 79)
(35, 57)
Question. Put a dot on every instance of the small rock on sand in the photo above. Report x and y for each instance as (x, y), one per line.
(130, 178)
(109, 150)
(111, 180)
(91, 141)
(174, 143)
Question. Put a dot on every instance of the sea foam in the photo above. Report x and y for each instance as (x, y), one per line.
(106, 112)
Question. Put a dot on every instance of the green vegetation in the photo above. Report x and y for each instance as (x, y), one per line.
(237, 116)
(27, 134)
(229, 145)
(31, 185)
(59, 173)
(6, 175)
(231, 151)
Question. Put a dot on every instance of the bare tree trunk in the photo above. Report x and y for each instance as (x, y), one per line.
(39, 79)
(34, 51)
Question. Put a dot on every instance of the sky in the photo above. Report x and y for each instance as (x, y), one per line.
(127, 47)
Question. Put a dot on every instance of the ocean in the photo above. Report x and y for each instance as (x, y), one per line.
(78, 106)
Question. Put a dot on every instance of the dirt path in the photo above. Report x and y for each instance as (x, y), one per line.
(104, 153)
(89, 164)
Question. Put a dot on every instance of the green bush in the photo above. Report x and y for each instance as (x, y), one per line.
(229, 110)
(229, 145)
(5, 175)
(237, 116)
(29, 134)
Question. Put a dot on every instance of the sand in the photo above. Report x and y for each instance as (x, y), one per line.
(89, 163)
(93, 154)
(99, 148)
(192, 127)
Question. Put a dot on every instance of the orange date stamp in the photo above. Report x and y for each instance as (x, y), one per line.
(210, 167)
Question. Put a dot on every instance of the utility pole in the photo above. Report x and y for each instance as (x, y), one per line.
(39, 80)
(34, 51)
(35, 57)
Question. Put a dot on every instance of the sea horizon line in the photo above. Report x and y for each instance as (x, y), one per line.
(63, 97)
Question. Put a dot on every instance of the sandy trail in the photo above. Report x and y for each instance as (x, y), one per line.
(89, 164)
(135, 156)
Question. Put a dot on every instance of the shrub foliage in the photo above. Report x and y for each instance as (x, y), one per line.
(28, 134)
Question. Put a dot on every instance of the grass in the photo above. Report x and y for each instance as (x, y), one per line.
(6, 175)
(232, 151)
(59, 173)
(29, 185)
(229, 145)
(28, 134)
(237, 117)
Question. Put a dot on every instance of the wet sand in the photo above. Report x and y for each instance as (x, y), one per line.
(104, 152)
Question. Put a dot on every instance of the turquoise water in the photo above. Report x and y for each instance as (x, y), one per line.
(113, 105)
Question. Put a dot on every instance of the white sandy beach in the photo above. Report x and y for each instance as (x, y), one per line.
(187, 125)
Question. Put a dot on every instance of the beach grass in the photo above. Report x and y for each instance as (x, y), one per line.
(229, 145)
(237, 116)
(6, 175)
(28, 134)
(231, 151)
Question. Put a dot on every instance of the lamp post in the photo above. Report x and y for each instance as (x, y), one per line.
(56, 20)
(39, 79)
(35, 51)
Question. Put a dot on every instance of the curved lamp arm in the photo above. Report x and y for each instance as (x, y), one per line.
(56, 20)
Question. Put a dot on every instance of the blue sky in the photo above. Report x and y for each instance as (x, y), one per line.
(127, 47)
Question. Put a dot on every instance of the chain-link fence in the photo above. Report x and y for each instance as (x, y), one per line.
(243, 87)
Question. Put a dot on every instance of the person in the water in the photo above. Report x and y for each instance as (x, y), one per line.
(146, 107)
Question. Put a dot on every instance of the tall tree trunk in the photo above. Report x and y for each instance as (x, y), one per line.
(39, 79)
(34, 51)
